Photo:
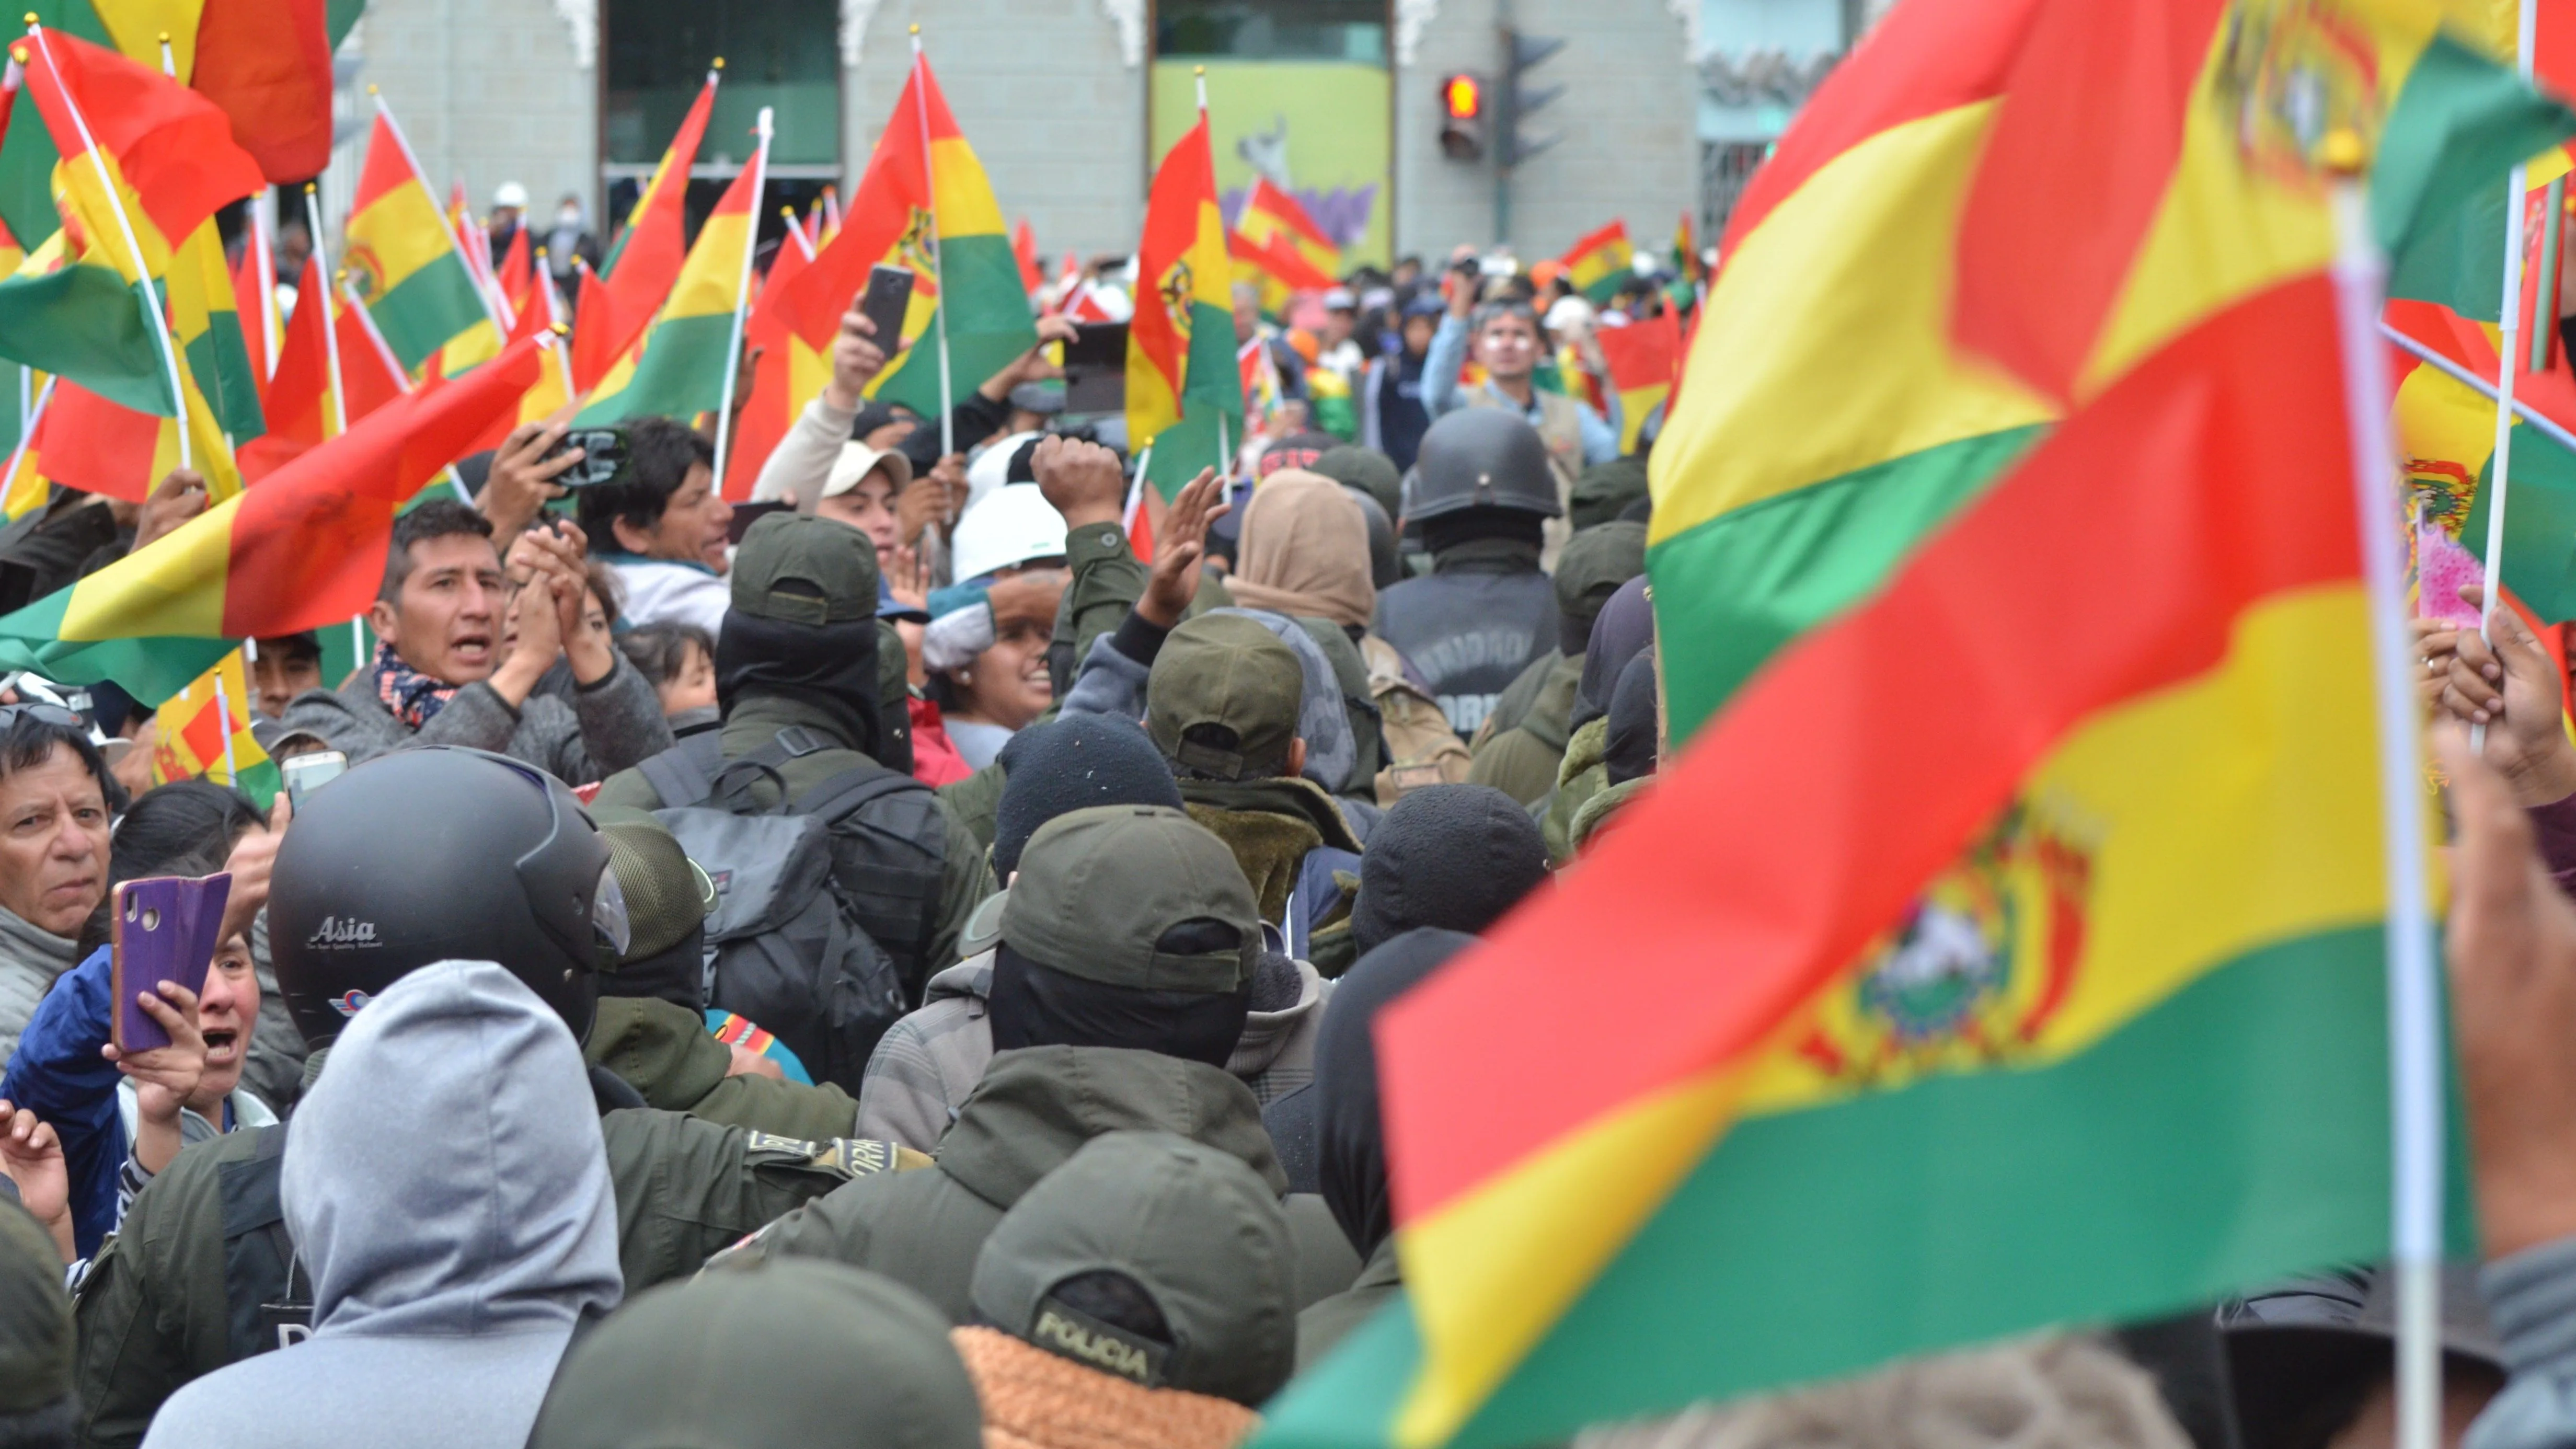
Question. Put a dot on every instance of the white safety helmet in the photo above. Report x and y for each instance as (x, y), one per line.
(510, 194)
(986, 475)
(1014, 526)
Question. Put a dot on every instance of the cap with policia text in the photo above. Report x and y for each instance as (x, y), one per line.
(1228, 671)
(1192, 1227)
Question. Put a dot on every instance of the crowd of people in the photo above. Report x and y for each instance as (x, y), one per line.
(900, 968)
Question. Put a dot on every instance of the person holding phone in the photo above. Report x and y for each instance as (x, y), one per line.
(122, 1116)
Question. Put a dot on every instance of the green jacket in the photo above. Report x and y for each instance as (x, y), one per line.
(176, 1293)
(664, 1051)
(1581, 776)
(1325, 1324)
(1520, 758)
(964, 880)
(1034, 1108)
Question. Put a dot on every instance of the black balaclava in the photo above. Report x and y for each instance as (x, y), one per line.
(1078, 761)
(830, 666)
(676, 973)
(1625, 627)
(1350, 1164)
(1031, 1004)
(1629, 754)
(1451, 856)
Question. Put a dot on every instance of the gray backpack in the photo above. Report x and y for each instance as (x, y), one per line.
(782, 948)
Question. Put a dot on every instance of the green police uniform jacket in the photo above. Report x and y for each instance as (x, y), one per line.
(179, 1291)
(1034, 1108)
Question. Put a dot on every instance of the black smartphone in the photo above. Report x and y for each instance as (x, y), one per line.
(747, 514)
(1095, 369)
(888, 296)
(603, 456)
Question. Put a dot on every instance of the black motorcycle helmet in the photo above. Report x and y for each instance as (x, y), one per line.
(1481, 458)
(433, 855)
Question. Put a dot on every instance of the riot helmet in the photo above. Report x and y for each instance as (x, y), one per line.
(441, 854)
(1481, 458)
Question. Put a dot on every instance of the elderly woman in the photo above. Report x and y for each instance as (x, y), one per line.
(56, 799)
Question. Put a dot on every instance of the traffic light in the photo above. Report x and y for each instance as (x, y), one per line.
(1522, 54)
(1462, 117)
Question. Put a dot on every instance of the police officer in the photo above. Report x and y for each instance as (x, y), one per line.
(1482, 493)
(416, 857)
(1161, 1270)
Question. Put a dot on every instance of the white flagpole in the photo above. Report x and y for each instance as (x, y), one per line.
(2509, 361)
(939, 316)
(741, 297)
(133, 244)
(330, 324)
(2414, 994)
(224, 717)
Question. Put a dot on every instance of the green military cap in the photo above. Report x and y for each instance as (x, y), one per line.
(1592, 566)
(666, 893)
(1365, 469)
(814, 1354)
(35, 1314)
(1099, 887)
(1226, 669)
(1192, 1226)
(805, 571)
(1605, 489)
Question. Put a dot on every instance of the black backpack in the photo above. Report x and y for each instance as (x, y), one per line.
(868, 844)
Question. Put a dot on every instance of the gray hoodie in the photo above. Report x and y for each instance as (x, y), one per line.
(447, 1189)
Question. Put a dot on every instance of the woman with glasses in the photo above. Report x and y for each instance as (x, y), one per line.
(56, 799)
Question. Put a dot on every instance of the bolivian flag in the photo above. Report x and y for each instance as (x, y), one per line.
(2053, 985)
(304, 401)
(401, 256)
(787, 375)
(303, 550)
(1645, 358)
(1281, 246)
(923, 185)
(205, 321)
(1182, 381)
(1597, 264)
(203, 732)
(684, 365)
(65, 312)
(24, 488)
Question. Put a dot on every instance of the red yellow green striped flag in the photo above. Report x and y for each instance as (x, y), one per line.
(1280, 248)
(1645, 358)
(205, 321)
(923, 185)
(303, 401)
(402, 258)
(684, 363)
(303, 550)
(1183, 386)
(1598, 263)
(203, 732)
(649, 249)
(788, 374)
(2053, 986)
(24, 488)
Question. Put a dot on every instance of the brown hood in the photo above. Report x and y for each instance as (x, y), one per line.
(1305, 550)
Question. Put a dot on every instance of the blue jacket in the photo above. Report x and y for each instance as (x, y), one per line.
(59, 1075)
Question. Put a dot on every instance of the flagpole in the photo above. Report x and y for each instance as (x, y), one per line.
(330, 324)
(939, 314)
(2508, 363)
(742, 295)
(224, 718)
(151, 295)
(2414, 994)
(2540, 421)
(263, 267)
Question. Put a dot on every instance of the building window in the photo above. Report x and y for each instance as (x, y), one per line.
(777, 53)
(1351, 30)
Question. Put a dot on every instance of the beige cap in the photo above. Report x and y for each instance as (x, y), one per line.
(857, 460)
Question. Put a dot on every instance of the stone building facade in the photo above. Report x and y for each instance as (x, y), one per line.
(1054, 96)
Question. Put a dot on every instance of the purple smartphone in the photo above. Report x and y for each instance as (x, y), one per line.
(162, 929)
